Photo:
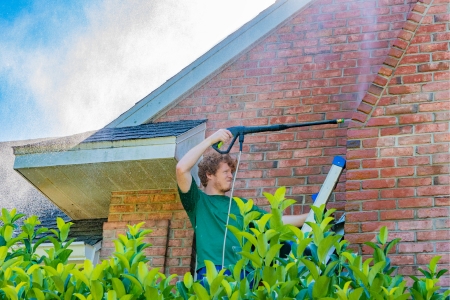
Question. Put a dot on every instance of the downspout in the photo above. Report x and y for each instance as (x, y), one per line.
(167, 247)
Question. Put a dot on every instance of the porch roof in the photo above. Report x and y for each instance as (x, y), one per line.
(78, 173)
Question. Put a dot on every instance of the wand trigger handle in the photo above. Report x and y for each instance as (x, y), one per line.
(218, 145)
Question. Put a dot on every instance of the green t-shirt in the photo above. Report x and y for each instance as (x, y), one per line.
(208, 215)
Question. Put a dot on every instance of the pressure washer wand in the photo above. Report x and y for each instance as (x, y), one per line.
(240, 131)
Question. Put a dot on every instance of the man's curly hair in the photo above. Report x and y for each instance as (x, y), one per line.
(210, 164)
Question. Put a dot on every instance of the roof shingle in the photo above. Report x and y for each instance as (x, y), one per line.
(145, 131)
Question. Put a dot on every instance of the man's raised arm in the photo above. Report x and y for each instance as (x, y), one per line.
(184, 166)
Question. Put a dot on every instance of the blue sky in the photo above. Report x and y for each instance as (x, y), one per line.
(72, 66)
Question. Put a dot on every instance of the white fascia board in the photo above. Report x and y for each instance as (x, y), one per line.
(99, 155)
(209, 63)
(80, 251)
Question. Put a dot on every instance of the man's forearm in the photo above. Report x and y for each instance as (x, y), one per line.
(192, 156)
(296, 220)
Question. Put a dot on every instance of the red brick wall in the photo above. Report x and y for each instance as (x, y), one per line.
(162, 212)
(398, 157)
(315, 66)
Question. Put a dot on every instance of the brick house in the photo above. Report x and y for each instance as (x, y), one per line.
(381, 64)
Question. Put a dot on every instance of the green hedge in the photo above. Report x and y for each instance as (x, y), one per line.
(126, 275)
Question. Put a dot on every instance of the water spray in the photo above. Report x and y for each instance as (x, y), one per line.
(241, 131)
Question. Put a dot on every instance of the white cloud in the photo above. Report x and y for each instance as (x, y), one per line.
(113, 57)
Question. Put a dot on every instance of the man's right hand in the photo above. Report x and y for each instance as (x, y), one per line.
(221, 135)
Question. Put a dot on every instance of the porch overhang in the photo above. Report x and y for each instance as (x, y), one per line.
(80, 176)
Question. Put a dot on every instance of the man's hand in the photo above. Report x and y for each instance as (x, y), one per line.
(221, 135)
(184, 166)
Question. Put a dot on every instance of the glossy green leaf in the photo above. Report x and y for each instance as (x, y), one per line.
(64, 232)
(441, 272)
(188, 280)
(111, 295)
(276, 221)
(359, 275)
(69, 292)
(375, 270)
(286, 288)
(287, 203)
(269, 275)
(318, 213)
(21, 273)
(211, 271)
(296, 231)
(356, 294)
(280, 193)
(152, 276)
(215, 286)
(273, 251)
(237, 269)
(142, 271)
(59, 284)
(271, 199)
(262, 244)
(228, 289)
(390, 245)
(250, 238)
(317, 233)
(200, 291)
(325, 246)
(311, 267)
(325, 223)
(256, 260)
(366, 266)
(39, 294)
(97, 272)
(270, 234)
(321, 287)
(330, 267)
(8, 232)
(123, 259)
(240, 204)
(236, 232)
(248, 206)
(118, 287)
(96, 290)
(250, 217)
(383, 235)
(433, 263)
(262, 222)
(136, 284)
(302, 246)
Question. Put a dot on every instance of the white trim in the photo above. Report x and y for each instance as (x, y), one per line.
(93, 156)
(81, 251)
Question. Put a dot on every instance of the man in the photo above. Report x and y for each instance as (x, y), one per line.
(208, 209)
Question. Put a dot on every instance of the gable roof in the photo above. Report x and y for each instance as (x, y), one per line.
(208, 64)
